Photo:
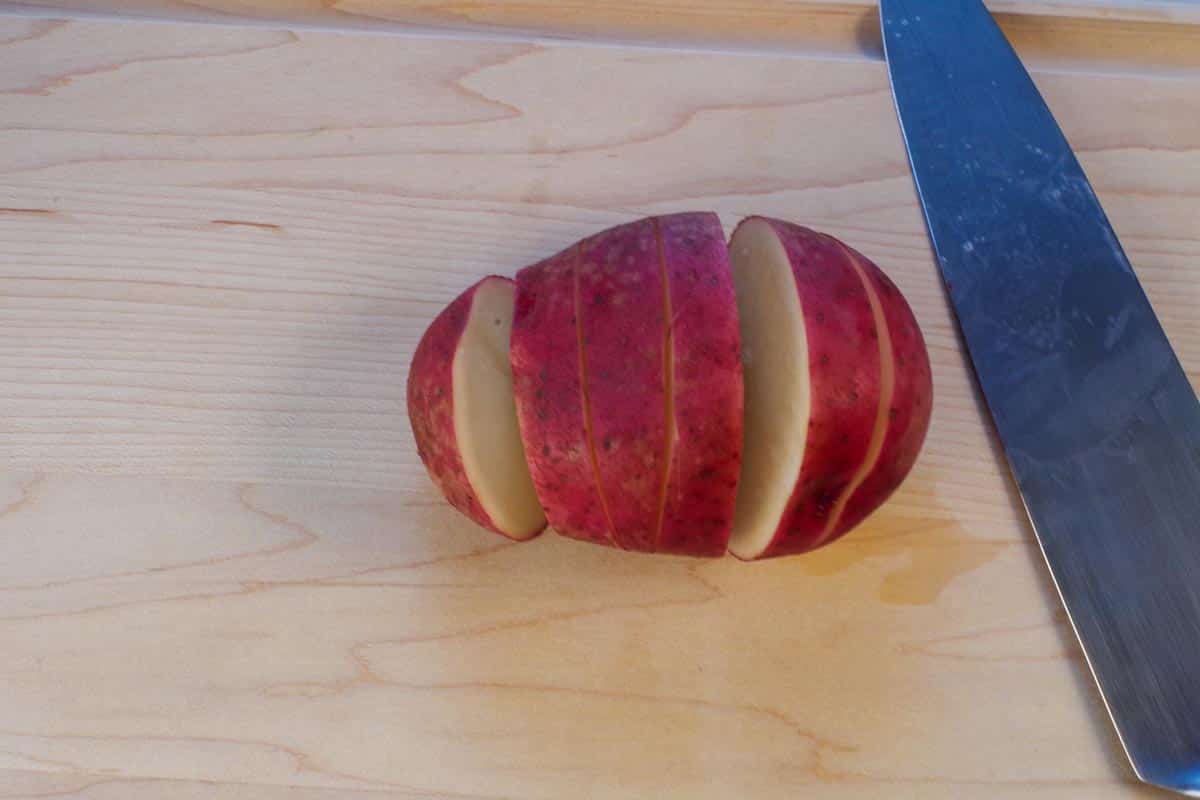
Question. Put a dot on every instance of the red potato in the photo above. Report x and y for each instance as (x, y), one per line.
(460, 405)
(544, 354)
(667, 402)
(825, 443)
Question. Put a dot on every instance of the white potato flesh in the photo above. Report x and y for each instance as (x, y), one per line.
(777, 393)
(485, 415)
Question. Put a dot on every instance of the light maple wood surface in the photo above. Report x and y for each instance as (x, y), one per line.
(1151, 36)
(837, 25)
(223, 572)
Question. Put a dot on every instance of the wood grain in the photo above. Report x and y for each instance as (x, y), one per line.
(1154, 35)
(222, 570)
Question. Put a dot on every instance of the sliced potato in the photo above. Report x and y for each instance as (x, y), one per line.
(460, 403)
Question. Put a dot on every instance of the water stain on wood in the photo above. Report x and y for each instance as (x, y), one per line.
(936, 554)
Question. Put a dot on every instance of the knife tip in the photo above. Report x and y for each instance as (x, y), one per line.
(1185, 782)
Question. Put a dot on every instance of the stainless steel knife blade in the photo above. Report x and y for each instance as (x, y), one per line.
(1098, 420)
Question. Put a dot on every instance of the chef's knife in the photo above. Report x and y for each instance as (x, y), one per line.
(1098, 420)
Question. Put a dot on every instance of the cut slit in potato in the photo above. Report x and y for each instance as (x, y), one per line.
(485, 415)
(777, 394)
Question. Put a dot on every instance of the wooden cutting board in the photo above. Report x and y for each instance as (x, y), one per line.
(223, 572)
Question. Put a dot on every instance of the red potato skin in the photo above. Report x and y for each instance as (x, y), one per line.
(910, 408)
(703, 475)
(431, 407)
(544, 355)
(623, 326)
(844, 370)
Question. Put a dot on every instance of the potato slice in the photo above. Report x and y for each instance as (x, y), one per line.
(704, 380)
(907, 375)
(628, 386)
(460, 403)
(620, 310)
(547, 383)
(811, 358)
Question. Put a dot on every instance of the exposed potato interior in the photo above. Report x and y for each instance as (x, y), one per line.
(485, 415)
(777, 393)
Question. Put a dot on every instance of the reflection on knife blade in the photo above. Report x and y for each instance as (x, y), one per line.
(1098, 420)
